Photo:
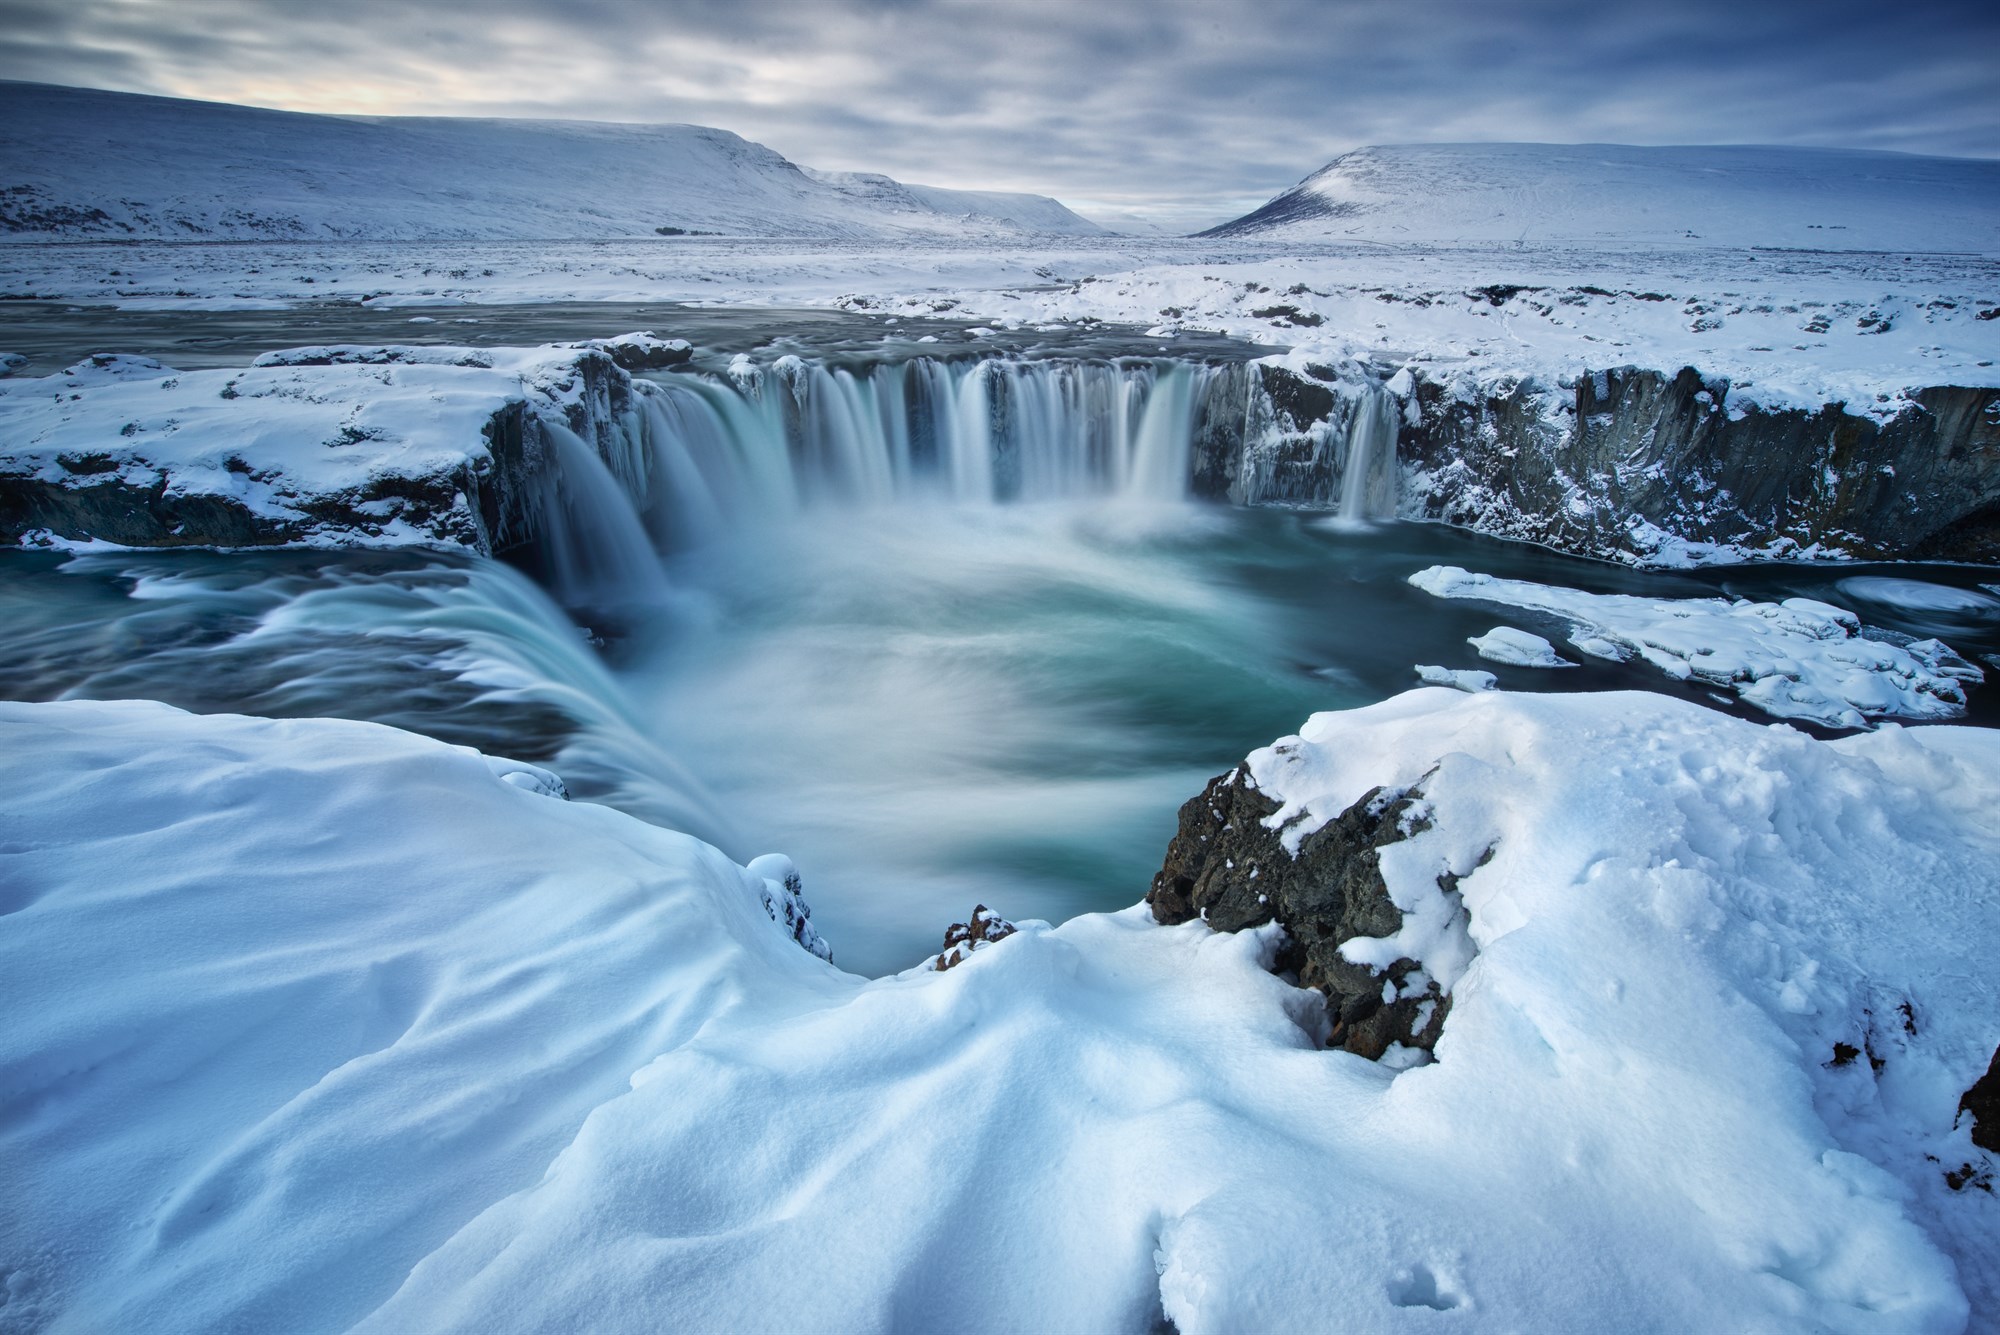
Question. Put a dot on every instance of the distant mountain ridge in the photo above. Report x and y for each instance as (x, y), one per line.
(85, 164)
(1803, 198)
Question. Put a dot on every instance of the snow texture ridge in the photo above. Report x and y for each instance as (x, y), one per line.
(86, 164)
(287, 1050)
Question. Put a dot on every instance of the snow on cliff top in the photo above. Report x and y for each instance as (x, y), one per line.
(1728, 195)
(79, 163)
(328, 446)
(319, 1025)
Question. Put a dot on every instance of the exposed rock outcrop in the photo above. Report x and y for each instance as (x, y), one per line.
(1982, 1102)
(1229, 868)
(1627, 458)
(962, 938)
(1628, 464)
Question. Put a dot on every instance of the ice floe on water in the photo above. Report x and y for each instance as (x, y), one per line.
(1458, 679)
(1799, 658)
(542, 1066)
(1517, 648)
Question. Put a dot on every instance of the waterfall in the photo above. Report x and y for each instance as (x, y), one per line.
(697, 456)
(762, 443)
(1368, 478)
(598, 549)
(1160, 446)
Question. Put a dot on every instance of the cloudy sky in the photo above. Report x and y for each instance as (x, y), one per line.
(1184, 111)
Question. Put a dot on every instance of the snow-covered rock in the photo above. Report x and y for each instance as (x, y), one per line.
(329, 446)
(1386, 965)
(87, 164)
(319, 1026)
(1796, 659)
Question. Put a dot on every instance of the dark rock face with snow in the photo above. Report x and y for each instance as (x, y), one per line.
(340, 445)
(1628, 462)
(287, 452)
(1982, 1104)
(1228, 868)
(1629, 456)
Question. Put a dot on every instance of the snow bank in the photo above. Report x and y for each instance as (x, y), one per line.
(289, 1001)
(317, 1026)
(1795, 659)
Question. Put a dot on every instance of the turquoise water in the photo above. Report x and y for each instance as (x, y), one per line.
(926, 706)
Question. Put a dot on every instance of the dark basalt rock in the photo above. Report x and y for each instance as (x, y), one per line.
(493, 505)
(1227, 867)
(1983, 1102)
(962, 938)
(1625, 456)
(1577, 469)
(646, 351)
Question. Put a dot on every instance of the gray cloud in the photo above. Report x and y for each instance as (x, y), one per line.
(1187, 110)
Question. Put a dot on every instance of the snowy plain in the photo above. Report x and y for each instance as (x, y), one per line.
(596, 1085)
(1786, 329)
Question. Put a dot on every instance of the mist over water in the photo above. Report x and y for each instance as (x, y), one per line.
(944, 633)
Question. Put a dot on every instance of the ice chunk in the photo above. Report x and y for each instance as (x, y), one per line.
(1459, 679)
(1517, 648)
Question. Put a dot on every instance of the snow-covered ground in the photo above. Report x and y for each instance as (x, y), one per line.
(1785, 329)
(341, 1064)
(319, 1025)
(84, 163)
(1722, 195)
(1796, 659)
(1802, 276)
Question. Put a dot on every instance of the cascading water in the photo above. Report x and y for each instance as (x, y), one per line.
(766, 442)
(598, 549)
(1368, 478)
(817, 627)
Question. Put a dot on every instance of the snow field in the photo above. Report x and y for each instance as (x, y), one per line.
(86, 163)
(1786, 330)
(412, 1048)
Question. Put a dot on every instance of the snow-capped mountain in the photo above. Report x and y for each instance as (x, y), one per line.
(79, 163)
(1806, 198)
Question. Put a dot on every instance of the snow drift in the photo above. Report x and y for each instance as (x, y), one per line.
(79, 163)
(321, 1026)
